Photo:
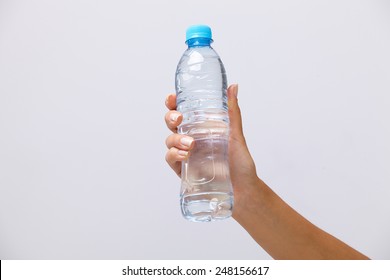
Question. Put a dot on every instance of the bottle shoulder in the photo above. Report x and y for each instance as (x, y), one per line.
(200, 52)
(198, 58)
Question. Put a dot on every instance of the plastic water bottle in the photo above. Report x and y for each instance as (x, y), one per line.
(206, 189)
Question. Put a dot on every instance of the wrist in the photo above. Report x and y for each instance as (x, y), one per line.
(250, 201)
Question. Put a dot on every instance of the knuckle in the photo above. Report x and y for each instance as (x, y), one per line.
(167, 157)
(170, 155)
(170, 141)
(167, 117)
(167, 141)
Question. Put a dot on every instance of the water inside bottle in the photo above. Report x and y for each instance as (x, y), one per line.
(206, 192)
(207, 206)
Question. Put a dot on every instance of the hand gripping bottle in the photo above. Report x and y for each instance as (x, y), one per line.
(206, 189)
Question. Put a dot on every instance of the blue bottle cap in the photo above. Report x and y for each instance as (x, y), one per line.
(198, 31)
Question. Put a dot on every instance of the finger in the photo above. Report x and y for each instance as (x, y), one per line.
(181, 142)
(174, 157)
(234, 113)
(173, 119)
(170, 101)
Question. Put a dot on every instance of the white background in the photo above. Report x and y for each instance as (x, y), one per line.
(82, 89)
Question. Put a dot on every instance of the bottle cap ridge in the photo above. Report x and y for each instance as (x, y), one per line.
(198, 31)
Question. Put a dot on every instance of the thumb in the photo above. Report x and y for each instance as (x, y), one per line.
(235, 120)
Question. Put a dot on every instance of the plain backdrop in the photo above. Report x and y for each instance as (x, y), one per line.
(82, 131)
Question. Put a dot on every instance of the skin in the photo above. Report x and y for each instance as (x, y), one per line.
(272, 223)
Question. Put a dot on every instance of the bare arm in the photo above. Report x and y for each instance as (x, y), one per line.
(272, 223)
(284, 233)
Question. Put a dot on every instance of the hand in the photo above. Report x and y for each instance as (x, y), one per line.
(178, 145)
(272, 223)
(241, 165)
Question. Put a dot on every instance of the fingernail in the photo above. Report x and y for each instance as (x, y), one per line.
(174, 117)
(182, 153)
(186, 141)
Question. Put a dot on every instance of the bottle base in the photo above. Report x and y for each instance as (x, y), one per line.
(207, 207)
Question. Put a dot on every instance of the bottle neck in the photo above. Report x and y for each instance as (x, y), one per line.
(199, 42)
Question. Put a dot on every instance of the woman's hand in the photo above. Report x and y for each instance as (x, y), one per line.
(241, 165)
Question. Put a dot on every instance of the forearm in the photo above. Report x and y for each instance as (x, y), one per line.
(284, 233)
